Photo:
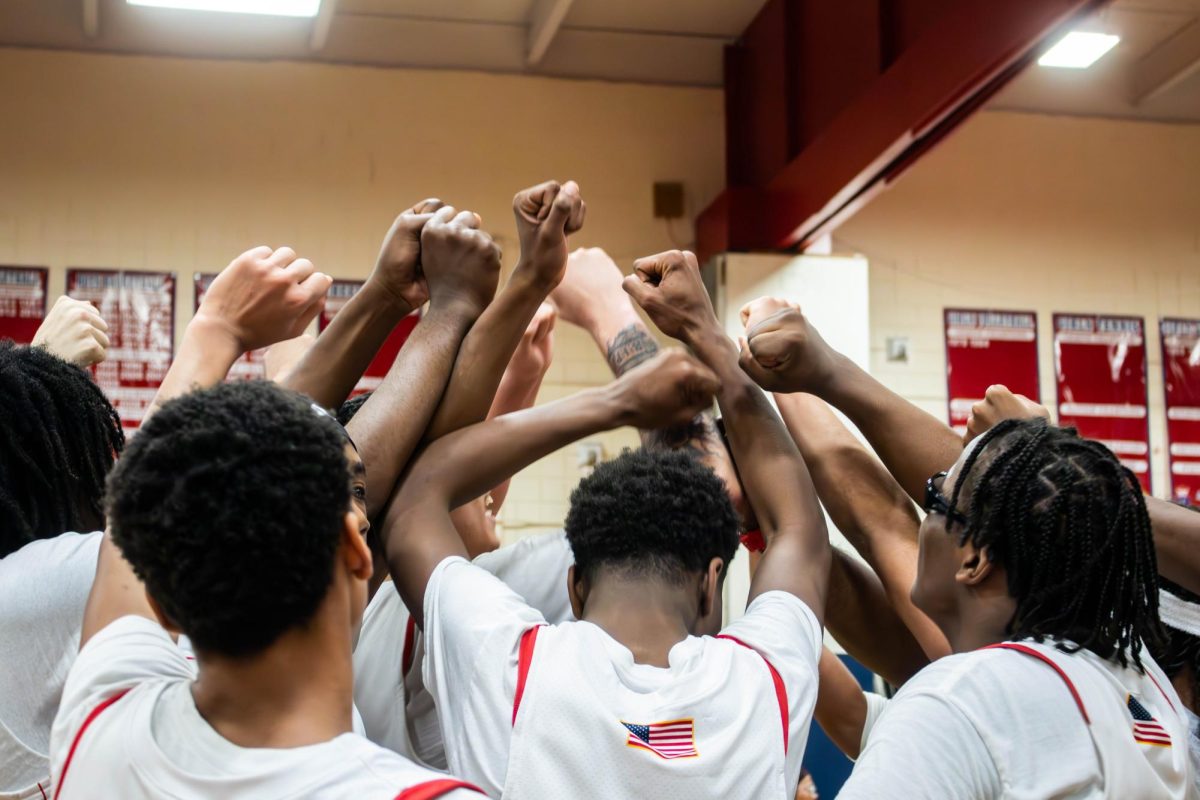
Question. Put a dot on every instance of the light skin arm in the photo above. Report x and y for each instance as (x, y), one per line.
(866, 505)
(789, 355)
(328, 371)
(417, 531)
(546, 214)
(776, 480)
(262, 297)
(841, 709)
(461, 265)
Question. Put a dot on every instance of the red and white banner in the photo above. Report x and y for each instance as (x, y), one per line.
(1181, 379)
(984, 347)
(22, 302)
(1100, 369)
(250, 366)
(339, 294)
(139, 308)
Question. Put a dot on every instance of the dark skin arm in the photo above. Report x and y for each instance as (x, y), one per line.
(841, 709)
(867, 506)
(862, 618)
(789, 355)
(545, 214)
(328, 371)
(461, 266)
(262, 297)
(417, 531)
(669, 288)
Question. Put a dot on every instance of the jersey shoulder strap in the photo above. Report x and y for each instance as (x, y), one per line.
(1045, 659)
(777, 680)
(431, 789)
(91, 717)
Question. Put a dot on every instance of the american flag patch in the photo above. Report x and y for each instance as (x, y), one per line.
(1146, 729)
(674, 739)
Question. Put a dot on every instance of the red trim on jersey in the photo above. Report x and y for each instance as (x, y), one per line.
(43, 791)
(780, 689)
(524, 659)
(410, 646)
(1160, 691)
(432, 789)
(1045, 659)
(62, 777)
(754, 541)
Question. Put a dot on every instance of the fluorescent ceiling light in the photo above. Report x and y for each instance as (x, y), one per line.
(1078, 50)
(279, 8)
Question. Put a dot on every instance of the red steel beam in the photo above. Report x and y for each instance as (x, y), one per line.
(959, 60)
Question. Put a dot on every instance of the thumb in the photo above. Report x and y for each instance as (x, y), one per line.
(561, 207)
(641, 292)
(750, 365)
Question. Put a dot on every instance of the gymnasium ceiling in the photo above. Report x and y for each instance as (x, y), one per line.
(1154, 73)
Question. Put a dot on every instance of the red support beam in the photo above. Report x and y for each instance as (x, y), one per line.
(827, 102)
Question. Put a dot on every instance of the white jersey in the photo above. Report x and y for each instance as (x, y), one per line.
(398, 712)
(44, 588)
(1025, 720)
(128, 727)
(531, 710)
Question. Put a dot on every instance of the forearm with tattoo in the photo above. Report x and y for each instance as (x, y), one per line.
(632, 345)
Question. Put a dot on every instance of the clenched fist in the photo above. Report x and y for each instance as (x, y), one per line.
(670, 389)
(782, 352)
(398, 268)
(75, 332)
(264, 296)
(546, 214)
(461, 263)
(669, 288)
(999, 403)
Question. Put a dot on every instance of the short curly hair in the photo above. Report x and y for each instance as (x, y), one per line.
(60, 437)
(651, 512)
(229, 505)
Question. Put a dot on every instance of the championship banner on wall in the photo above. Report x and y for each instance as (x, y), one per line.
(339, 293)
(139, 308)
(984, 347)
(251, 365)
(22, 302)
(1100, 369)
(1181, 379)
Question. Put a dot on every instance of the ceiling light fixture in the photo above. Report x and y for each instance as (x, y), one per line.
(1078, 50)
(278, 8)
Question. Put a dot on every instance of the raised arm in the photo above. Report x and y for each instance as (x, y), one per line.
(262, 297)
(461, 265)
(545, 215)
(590, 296)
(788, 355)
(417, 531)
(841, 708)
(329, 369)
(668, 286)
(74, 331)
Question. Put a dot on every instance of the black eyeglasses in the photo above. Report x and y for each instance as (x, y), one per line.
(936, 502)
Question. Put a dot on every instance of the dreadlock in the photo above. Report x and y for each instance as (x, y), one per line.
(60, 437)
(1069, 524)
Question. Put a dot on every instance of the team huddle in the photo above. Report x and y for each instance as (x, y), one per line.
(273, 591)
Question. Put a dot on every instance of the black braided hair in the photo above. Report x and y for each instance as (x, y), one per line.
(1069, 525)
(60, 436)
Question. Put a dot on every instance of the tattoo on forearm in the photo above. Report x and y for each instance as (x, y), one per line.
(631, 346)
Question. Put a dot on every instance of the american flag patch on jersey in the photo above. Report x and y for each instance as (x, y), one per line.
(674, 739)
(1146, 729)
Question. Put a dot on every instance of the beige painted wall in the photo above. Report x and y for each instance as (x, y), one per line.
(1025, 211)
(172, 164)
